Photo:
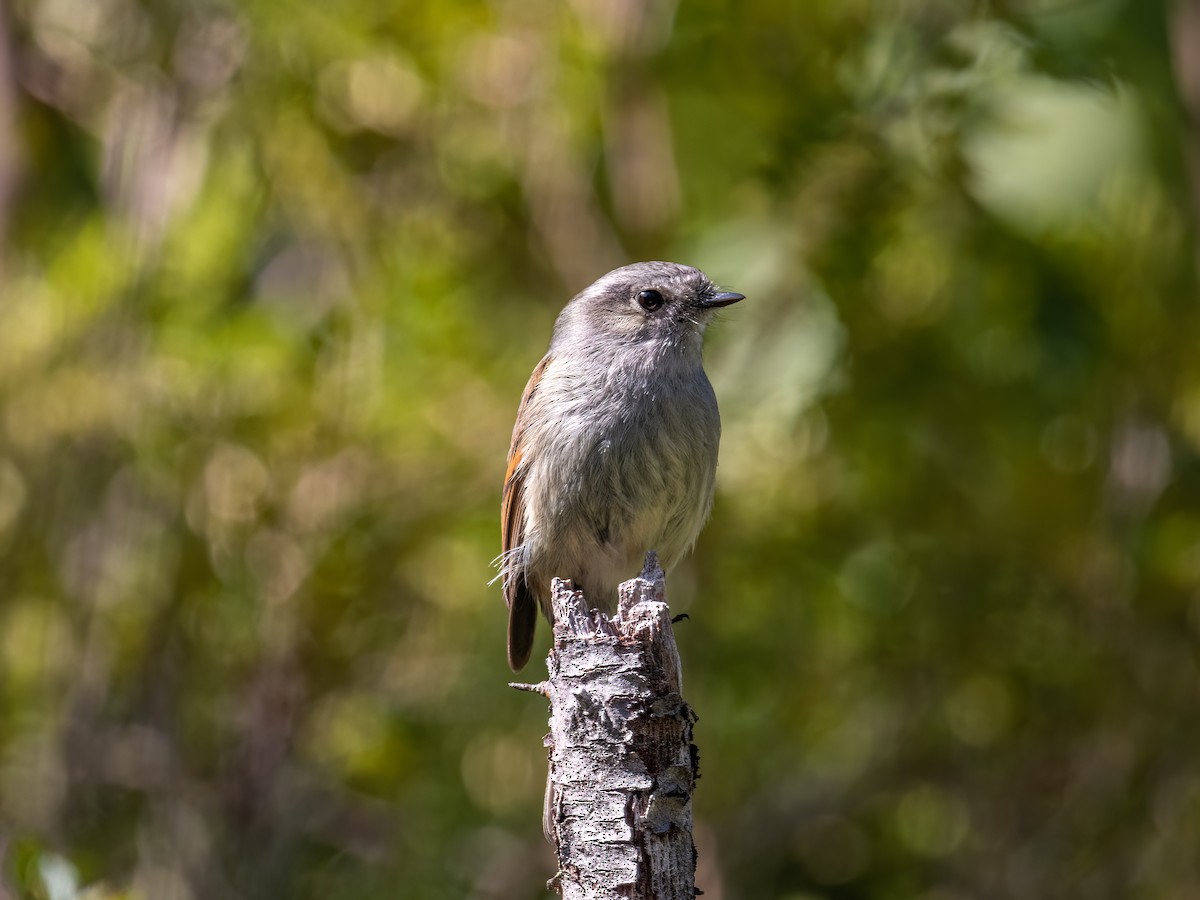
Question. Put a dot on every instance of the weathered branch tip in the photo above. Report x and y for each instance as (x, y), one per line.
(542, 687)
(622, 764)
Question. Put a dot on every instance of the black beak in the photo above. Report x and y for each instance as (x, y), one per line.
(725, 298)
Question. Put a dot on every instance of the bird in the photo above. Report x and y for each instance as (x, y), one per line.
(614, 449)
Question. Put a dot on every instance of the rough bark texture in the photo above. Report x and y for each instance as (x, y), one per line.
(622, 762)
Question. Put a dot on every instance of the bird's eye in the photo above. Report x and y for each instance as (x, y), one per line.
(650, 300)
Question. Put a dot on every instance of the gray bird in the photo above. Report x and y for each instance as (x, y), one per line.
(614, 451)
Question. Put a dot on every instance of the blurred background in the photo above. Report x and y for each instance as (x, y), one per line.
(273, 274)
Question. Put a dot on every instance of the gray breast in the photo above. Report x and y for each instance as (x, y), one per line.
(653, 459)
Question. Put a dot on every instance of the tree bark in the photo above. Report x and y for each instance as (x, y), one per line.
(622, 762)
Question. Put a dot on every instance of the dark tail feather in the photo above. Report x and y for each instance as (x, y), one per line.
(522, 619)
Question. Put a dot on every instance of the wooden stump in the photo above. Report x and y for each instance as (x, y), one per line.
(622, 762)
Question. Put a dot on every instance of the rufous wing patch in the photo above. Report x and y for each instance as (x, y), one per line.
(522, 609)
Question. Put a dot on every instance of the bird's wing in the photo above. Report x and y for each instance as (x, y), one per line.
(522, 608)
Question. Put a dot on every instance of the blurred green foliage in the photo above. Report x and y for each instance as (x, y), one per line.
(273, 275)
